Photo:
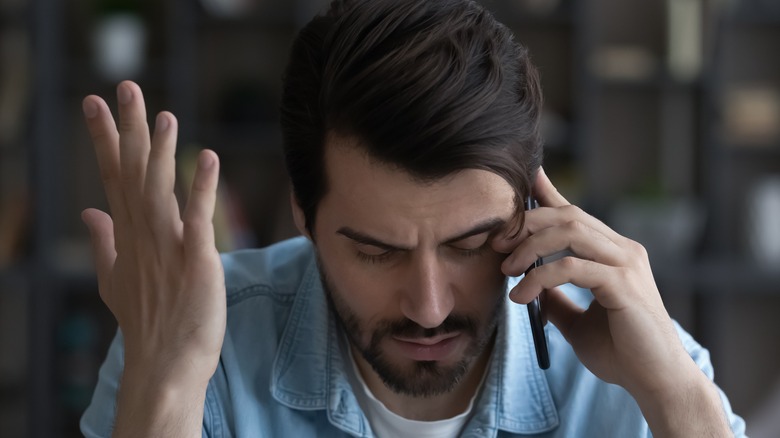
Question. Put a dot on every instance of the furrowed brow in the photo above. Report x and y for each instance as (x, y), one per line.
(365, 239)
(488, 225)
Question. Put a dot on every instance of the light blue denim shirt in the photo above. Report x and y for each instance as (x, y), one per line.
(283, 374)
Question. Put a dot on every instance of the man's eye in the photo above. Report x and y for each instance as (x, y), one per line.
(374, 258)
(471, 246)
(372, 254)
(471, 252)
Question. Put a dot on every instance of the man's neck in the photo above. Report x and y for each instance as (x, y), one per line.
(431, 408)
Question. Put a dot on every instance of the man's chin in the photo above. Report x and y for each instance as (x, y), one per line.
(420, 378)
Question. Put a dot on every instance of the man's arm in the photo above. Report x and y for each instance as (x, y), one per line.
(693, 408)
(158, 270)
(625, 336)
(154, 407)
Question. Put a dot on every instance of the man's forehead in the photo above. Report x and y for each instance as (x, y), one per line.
(350, 151)
(373, 200)
(346, 155)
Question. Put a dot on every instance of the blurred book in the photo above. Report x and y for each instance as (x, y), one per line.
(623, 63)
(751, 115)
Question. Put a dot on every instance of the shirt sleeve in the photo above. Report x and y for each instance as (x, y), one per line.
(98, 419)
(701, 356)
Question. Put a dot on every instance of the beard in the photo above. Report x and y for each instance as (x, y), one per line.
(420, 378)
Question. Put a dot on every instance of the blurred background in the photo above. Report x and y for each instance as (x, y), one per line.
(662, 118)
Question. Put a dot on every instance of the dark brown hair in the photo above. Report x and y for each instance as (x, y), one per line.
(429, 86)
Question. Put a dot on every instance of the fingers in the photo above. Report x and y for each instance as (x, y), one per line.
(574, 236)
(600, 279)
(199, 212)
(548, 196)
(105, 140)
(138, 172)
(134, 146)
(556, 211)
(162, 208)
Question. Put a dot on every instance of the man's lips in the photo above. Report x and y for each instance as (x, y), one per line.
(427, 341)
(433, 348)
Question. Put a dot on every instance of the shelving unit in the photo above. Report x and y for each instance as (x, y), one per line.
(745, 56)
(737, 290)
(14, 267)
(646, 137)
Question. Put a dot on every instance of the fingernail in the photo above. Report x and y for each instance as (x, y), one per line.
(90, 109)
(508, 262)
(162, 123)
(124, 94)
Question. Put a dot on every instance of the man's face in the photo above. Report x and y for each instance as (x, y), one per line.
(408, 266)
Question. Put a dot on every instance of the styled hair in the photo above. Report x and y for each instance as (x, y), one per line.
(428, 86)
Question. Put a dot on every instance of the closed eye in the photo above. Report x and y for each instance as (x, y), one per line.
(470, 252)
(470, 243)
(372, 254)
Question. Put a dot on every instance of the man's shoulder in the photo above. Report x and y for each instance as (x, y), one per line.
(275, 271)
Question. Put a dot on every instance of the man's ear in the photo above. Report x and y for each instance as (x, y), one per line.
(298, 217)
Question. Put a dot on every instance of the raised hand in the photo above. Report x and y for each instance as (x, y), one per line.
(625, 336)
(158, 270)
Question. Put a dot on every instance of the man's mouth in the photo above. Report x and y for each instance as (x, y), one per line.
(435, 348)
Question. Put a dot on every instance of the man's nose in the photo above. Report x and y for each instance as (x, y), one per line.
(428, 296)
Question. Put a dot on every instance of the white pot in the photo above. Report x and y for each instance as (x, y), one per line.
(119, 43)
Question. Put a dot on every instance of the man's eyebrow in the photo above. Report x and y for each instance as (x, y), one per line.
(362, 238)
(482, 227)
(365, 239)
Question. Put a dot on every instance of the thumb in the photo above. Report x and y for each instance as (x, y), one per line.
(546, 193)
(101, 232)
(561, 311)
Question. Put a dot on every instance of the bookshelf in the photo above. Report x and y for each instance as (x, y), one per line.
(621, 129)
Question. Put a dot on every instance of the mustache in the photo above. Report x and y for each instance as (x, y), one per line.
(410, 329)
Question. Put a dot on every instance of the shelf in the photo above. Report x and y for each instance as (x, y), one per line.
(556, 21)
(246, 23)
(514, 15)
(737, 276)
(82, 75)
(653, 84)
(752, 151)
(265, 16)
(257, 138)
(721, 276)
(744, 17)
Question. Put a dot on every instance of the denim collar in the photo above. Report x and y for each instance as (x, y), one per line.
(309, 372)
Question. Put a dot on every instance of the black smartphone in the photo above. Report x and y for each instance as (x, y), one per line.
(535, 310)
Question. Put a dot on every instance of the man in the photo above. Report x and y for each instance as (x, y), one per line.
(411, 136)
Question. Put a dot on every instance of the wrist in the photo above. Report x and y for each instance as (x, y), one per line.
(167, 366)
(687, 405)
(163, 379)
(153, 404)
